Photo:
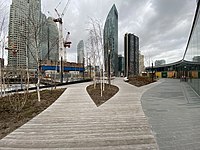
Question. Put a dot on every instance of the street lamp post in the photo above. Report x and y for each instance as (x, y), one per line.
(152, 72)
(109, 66)
(83, 68)
(61, 70)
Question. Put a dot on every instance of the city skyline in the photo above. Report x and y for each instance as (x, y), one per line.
(163, 29)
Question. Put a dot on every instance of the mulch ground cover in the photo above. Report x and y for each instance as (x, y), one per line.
(95, 93)
(140, 81)
(15, 110)
(110, 91)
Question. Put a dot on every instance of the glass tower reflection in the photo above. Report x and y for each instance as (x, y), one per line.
(111, 40)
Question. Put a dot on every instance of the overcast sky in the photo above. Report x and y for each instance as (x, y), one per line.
(163, 26)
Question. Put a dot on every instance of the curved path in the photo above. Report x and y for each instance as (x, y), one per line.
(173, 110)
(74, 122)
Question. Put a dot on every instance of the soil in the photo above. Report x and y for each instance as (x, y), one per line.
(140, 81)
(95, 93)
(111, 90)
(14, 114)
(17, 109)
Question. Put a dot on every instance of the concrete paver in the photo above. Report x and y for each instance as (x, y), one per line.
(74, 122)
(173, 109)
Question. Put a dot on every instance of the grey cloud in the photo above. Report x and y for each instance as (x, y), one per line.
(163, 26)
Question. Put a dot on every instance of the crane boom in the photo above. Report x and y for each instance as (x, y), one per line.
(57, 13)
(63, 13)
(2, 24)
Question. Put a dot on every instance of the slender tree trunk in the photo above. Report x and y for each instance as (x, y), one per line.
(38, 81)
(1, 81)
(38, 88)
(101, 81)
(4, 87)
(27, 74)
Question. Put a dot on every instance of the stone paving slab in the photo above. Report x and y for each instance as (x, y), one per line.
(74, 122)
(173, 109)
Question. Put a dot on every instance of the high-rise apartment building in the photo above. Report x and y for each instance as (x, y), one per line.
(80, 52)
(31, 35)
(111, 41)
(131, 54)
(36, 23)
(17, 36)
(121, 65)
(49, 40)
(25, 16)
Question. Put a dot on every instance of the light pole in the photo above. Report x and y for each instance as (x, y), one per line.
(90, 69)
(109, 66)
(152, 72)
(61, 70)
(83, 67)
(127, 69)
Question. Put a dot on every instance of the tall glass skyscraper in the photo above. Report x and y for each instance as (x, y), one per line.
(131, 54)
(111, 40)
(49, 40)
(80, 51)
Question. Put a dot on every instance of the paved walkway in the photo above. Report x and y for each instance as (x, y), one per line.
(74, 122)
(173, 110)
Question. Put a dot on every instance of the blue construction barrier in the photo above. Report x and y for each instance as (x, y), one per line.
(44, 68)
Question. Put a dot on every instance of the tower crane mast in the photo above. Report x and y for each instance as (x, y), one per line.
(61, 40)
(60, 21)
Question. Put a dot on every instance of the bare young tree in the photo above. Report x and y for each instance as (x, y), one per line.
(96, 48)
(37, 37)
(3, 30)
(33, 31)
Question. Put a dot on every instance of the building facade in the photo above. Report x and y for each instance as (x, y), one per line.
(131, 54)
(80, 52)
(121, 65)
(110, 38)
(49, 40)
(36, 23)
(192, 53)
(17, 36)
(31, 35)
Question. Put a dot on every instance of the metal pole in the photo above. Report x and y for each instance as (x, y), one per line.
(48, 42)
(1, 78)
(83, 67)
(61, 70)
(127, 56)
(109, 67)
(90, 69)
(152, 72)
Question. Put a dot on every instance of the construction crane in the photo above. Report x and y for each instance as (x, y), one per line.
(67, 44)
(60, 21)
(61, 40)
